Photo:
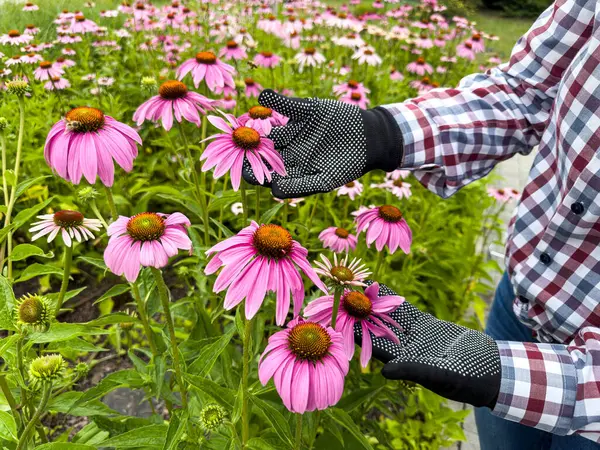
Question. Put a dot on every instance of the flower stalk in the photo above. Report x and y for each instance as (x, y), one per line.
(380, 258)
(337, 296)
(141, 307)
(46, 390)
(163, 292)
(298, 440)
(111, 204)
(65, 279)
(247, 350)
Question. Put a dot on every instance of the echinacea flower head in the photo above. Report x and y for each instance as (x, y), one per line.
(366, 310)
(227, 151)
(71, 225)
(173, 100)
(206, 66)
(18, 86)
(86, 142)
(309, 57)
(267, 59)
(338, 239)
(14, 37)
(47, 70)
(147, 239)
(212, 417)
(501, 195)
(398, 187)
(307, 363)
(259, 259)
(262, 119)
(385, 225)
(341, 272)
(33, 311)
(352, 189)
(47, 368)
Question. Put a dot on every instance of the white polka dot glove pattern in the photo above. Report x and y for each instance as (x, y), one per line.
(453, 361)
(327, 144)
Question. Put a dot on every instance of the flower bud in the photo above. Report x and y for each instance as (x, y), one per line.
(18, 87)
(33, 311)
(82, 369)
(149, 84)
(87, 193)
(3, 124)
(47, 368)
(212, 417)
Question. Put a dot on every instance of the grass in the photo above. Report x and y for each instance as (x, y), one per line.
(508, 29)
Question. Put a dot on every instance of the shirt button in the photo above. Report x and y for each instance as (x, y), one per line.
(523, 299)
(545, 258)
(577, 208)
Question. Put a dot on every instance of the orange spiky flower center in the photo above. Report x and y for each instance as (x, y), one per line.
(206, 58)
(309, 341)
(172, 90)
(68, 218)
(390, 213)
(342, 233)
(84, 119)
(260, 112)
(272, 241)
(357, 304)
(246, 138)
(146, 227)
(13, 33)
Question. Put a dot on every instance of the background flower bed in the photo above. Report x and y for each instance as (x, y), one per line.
(442, 274)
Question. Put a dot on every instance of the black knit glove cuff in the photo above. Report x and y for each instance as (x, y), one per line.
(384, 140)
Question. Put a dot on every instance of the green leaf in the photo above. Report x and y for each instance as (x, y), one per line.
(64, 446)
(237, 407)
(7, 342)
(96, 262)
(9, 176)
(343, 419)
(76, 344)
(115, 290)
(68, 295)
(176, 428)
(275, 418)
(37, 270)
(64, 331)
(209, 354)
(223, 200)
(124, 378)
(151, 435)
(270, 213)
(226, 231)
(24, 185)
(218, 393)
(257, 443)
(111, 319)
(8, 427)
(7, 304)
(358, 398)
(23, 251)
(24, 216)
(65, 402)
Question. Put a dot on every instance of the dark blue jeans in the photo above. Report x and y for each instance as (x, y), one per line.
(500, 434)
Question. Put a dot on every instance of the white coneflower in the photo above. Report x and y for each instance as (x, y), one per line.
(71, 225)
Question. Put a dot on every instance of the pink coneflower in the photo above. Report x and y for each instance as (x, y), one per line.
(227, 102)
(228, 150)
(31, 29)
(257, 260)
(367, 55)
(385, 226)
(57, 83)
(146, 239)
(395, 75)
(515, 195)
(337, 239)
(352, 189)
(206, 66)
(349, 88)
(30, 7)
(70, 224)
(292, 40)
(399, 188)
(68, 52)
(47, 70)
(233, 51)
(4, 73)
(368, 310)
(29, 58)
(477, 43)
(309, 57)
(465, 50)
(423, 41)
(85, 143)
(340, 273)
(173, 99)
(262, 119)
(61, 62)
(356, 98)
(501, 195)
(420, 67)
(14, 60)
(252, 89)
(292, 202)
(307, 363)
(82, 25)
(106, 81)
(14, 37)
(267, 59)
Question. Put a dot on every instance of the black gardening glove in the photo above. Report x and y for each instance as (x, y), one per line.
(453, 361)
(327, 144)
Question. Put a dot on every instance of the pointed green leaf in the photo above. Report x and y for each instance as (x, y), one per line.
(23, 251)
(269, 214)
(64, 446)
(275, 418)
(37, 270)
(8, 427)
(218, 393)
(115, 290)
(124, 378)
(150, 435)
(342, 418)
(203, 364)
(7, 304)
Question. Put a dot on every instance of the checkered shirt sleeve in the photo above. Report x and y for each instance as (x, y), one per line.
(552, 387)
(453, 137)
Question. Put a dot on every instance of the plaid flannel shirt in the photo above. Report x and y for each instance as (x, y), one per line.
(548, 94)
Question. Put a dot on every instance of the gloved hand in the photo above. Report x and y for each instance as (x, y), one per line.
(327, 144)
(453, 361)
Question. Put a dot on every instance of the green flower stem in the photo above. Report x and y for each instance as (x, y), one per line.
(98, 214)
(380, 257)
(244, 201)
(199, 192)
(141, 307)
(65, 280)
(111, 203)
(312, 216)
(286, 211)
(163, 292)
(245, 375)
(47, 389)
(337, 296)
(4, 183)
(8, 395)
(298, 442)
(257, 190)
(13, 192)
(21, 369)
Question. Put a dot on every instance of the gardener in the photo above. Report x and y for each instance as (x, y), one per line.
(536, 374)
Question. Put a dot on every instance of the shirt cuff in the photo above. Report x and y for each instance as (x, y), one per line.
(538, 387)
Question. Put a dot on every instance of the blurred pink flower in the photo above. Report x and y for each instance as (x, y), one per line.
(206, 66)
(57, 84)
(309, 57)
(252, 89)
(30, 7)
(262, 119)
(399, 188)
(307, 363)
(233, 51)
(14, 37)
(228, 150)
(352, 189)
(146, 239)
(267, 59)
(356, 98)
(337, 239)
(47, 70)
(173, 99)
(367, 55)
(368, 311)
(85, 143)
(257, 260)
(350, 87)
(420, 67)
(385, 225)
